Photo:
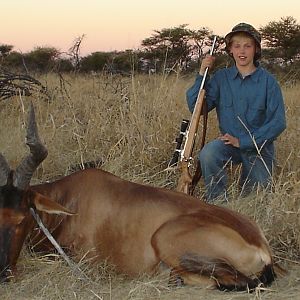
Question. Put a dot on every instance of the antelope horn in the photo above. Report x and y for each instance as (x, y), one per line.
(4, 170)
(38, 153)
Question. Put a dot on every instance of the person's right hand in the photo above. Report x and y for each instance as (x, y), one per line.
(207, 62)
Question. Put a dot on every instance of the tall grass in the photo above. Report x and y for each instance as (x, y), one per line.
(128, 125)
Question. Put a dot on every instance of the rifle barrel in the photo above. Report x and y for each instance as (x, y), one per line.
(191, 134)
(206, 70)
(185, 182)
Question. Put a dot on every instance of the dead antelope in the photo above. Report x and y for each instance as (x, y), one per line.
(136, 227)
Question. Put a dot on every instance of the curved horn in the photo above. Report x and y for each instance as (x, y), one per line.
(38, 153)
(4, 170)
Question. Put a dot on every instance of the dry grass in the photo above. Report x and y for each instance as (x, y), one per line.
(129, 124)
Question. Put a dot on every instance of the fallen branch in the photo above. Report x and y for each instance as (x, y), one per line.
(19, 84)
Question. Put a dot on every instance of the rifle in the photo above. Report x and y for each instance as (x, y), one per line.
(188, 130)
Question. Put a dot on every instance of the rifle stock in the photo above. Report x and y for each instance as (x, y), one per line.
(185, 180)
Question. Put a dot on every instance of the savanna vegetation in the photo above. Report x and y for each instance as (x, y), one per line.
(121, 111)
(127, 125)
(176, 49)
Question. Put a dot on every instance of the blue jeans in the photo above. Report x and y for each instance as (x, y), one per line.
(256, 169)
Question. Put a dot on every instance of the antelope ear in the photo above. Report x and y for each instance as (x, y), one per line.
(49, 206)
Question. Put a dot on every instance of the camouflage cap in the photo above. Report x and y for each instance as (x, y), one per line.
(248, 29)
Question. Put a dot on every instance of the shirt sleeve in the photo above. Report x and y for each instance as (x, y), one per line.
(211, 91)
(274, 124)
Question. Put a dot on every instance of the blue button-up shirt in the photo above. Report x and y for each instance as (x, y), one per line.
(250, 109)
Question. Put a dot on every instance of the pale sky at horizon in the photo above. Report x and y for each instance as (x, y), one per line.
(118, 25)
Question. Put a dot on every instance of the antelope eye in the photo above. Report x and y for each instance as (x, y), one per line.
(8, 217)
(18, 218)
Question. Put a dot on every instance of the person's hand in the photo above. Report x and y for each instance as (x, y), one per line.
(207, 62)
(230, 140)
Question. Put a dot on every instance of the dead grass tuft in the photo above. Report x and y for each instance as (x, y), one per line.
(129, 126)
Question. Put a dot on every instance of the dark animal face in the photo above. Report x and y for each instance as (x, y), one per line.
(16, 222)
(16, 198)
(14, 218)
(14, 208)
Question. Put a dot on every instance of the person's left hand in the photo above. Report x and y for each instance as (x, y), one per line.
(230, 140)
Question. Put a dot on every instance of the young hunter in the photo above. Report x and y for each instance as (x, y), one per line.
(250, 111)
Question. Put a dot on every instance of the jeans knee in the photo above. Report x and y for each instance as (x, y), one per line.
(205, 155)
(212, 153)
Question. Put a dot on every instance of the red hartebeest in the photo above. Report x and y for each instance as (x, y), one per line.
(135, 227)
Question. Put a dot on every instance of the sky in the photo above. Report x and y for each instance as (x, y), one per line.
(122, 24)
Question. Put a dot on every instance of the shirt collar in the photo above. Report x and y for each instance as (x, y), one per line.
(234, 73)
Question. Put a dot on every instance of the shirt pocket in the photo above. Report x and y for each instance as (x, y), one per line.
(225, 112)
(255, 115)
(226, 102)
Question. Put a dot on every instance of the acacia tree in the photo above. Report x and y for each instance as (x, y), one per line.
(4, 52)
(5, 49)
(41, 59)
(94, 61)
(177, 47)
(168, 48)
(13, 61)
(282, 38)
(200, 40)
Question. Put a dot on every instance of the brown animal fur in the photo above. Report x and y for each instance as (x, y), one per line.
(137, 226)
